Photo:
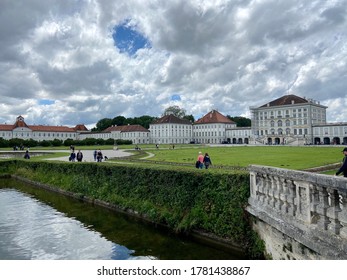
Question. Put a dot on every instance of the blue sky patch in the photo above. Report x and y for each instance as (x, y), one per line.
(45, 102)
(176, 97)
(128, 40)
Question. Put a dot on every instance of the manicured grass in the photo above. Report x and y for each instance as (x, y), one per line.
(289, 157)
(278, 156)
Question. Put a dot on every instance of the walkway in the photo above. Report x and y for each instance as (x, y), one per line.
(88, 155)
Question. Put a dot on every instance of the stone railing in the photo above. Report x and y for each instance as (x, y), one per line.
(310, 208)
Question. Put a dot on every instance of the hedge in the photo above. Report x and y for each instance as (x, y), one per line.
(184, 200)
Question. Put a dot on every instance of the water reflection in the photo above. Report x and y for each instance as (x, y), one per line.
(36, 224)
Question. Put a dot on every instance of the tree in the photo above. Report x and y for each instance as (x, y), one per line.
(240, 121)
(144, 121)
(103, 124)
(119, 120)
(176, 111)
(189, 118)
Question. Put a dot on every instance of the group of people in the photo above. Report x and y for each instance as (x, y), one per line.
(98, 156)
(73, 156)
(203, 161)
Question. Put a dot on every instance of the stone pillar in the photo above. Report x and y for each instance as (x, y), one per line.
(302, 202)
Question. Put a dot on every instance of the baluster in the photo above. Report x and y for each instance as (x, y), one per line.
(270, 199)
(322, 207)
(275, 192)
(281, 196)
(314, 199)
(284, 196)
(333, 211)
(253, 184)
(291, 197)
(267, 189)
(263, 189)
(343, 215)
(259, 184)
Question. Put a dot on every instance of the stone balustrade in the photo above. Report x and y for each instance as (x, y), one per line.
(310, 208)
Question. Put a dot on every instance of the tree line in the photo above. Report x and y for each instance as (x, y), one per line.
(25, 143)
(146, 120)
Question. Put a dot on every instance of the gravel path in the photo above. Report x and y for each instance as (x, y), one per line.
(88, 155)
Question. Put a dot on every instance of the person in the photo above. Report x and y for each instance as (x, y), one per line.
(26, 155)
(207, 161)
(99, 156)
(95, 154)
(200, 161)
(343, 168)
(79, 156)
(72, 156)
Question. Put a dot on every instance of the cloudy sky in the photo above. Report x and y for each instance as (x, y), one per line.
(65, 62)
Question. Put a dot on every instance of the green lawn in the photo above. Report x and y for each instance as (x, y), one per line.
(277, 156)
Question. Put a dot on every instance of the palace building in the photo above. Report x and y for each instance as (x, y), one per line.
(295, 120)
(289, 120)
(39, 132)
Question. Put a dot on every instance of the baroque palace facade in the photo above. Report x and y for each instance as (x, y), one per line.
(290, 120)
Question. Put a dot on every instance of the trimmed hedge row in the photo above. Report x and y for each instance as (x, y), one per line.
(183, 200)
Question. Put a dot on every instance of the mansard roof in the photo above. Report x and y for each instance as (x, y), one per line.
(171, 119)
(214, 117)
(286, 100)
(127, 128)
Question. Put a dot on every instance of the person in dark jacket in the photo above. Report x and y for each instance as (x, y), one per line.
(343, 168)
(207, 160)
(79, 156)
(26, 155)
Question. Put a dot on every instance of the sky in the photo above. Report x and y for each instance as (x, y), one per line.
(68, 62)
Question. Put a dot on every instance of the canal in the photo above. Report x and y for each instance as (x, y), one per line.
(36, 224)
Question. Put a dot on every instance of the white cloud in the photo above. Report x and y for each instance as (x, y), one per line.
(223, 54)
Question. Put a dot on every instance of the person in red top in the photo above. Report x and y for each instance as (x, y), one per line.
(200, 161)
